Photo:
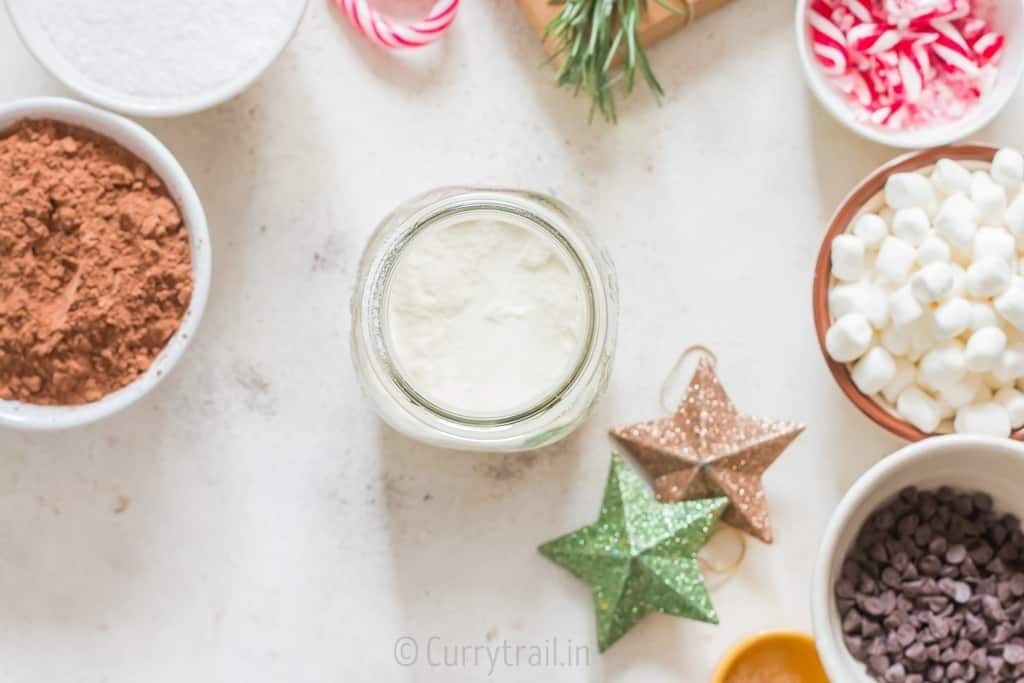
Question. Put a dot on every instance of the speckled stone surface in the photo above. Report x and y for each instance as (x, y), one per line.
(252, 521)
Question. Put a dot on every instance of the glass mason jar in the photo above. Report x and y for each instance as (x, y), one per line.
(552, 417)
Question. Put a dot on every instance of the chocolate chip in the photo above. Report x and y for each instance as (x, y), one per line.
(1017, 585)
(956, 554)
(963, 504)
(982, 502)
(1013, 654)
(930, 565)
(878, 664)
(896, 673)
(851, 622)
(916, 653)
(891, 577)
(884, 520)
(856, 647)
(876, 647)
(908, 524)
(992, 608)
(962, 650)
(905, 634)
(937, 546)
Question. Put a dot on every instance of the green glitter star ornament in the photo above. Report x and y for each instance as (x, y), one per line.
(640, 556)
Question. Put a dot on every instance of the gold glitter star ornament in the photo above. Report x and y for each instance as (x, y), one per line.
(640, 555)
(706, 448)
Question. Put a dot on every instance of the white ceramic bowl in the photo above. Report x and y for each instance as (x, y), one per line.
(1009, 18)
(37, 40)
(981, 463)
(144, 145)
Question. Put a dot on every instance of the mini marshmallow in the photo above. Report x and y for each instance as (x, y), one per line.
(957, 221)
(1010, 304)
(959, 282)
(942, 365)
(860, 297)
(848, 257)
(933, 250)
(982, 315)
(1013, 401)
(894, 261)
(1011, 364)
(1008, 168)
(904, 307)
(904, 376)
(951, 177)
(933, 282)
(919, 409)
(983, 418)
(988, 277)
(911, 225)
(871, 229)
(959, 394)
(848, 338)
(906, 190)
(984, 348)
(873, 371)
(952, 318)
(923, 337)
(989, 197)
(992, 242)
(896, 339)
(1015, 218)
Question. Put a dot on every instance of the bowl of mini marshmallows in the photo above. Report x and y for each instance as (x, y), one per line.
(919, 293)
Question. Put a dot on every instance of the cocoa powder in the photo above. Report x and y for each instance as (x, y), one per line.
(95, 265)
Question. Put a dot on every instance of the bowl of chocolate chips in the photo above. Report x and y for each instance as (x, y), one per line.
(920, 575)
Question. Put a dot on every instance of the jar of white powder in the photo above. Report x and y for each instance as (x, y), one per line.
(484, 319)
(156, 57)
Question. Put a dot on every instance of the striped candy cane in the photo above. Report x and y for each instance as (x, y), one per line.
(380, 30)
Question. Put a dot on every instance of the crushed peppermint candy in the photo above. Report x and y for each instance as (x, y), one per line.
(907, 64)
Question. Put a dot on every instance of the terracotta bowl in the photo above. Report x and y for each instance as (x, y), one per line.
(841, 220)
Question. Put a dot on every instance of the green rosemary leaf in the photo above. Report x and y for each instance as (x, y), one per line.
(588, 35)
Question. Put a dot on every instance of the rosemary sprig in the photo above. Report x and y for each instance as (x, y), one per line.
(588, 34)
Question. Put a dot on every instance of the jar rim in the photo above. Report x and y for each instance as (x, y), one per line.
(444, 210)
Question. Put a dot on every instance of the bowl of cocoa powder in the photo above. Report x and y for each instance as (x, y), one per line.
(105, 263)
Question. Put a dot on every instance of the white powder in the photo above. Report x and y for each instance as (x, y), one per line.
(166, 49)
(486, 317)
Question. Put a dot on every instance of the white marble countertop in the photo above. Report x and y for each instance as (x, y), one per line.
(252, 520)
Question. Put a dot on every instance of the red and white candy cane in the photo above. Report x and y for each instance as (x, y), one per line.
(386, 33)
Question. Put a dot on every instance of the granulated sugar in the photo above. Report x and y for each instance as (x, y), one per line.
(166, 49)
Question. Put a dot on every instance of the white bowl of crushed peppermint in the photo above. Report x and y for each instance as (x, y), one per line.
(912, 73)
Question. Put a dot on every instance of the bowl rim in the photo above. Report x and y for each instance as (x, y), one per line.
(831, 652)
(47, 56)
(922, 138)
(149, 149)
(848, 208)
(743, 645)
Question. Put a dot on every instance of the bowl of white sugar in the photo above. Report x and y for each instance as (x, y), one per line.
(919, 293)
(156, 57)
(484, 319)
